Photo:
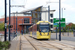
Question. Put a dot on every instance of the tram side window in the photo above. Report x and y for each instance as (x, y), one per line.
(37, 27)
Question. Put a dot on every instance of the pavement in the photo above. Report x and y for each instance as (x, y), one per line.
(63, 44)
(14, 43)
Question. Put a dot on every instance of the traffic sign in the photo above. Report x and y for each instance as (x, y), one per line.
(56, 22)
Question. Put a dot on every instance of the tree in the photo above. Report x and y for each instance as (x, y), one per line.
(1, 26)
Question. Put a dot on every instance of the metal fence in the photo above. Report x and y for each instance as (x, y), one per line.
(71, 34)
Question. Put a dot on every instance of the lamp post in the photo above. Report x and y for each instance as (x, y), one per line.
(62, 17)
(62, 11)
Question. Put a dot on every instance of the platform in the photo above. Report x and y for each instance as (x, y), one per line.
(25, 42)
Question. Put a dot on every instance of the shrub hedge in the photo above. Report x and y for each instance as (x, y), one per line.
(4, 45)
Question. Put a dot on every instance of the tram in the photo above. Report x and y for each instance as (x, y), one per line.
(40, 30)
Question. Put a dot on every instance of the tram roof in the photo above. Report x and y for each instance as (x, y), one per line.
(30, 26)
(42, 22)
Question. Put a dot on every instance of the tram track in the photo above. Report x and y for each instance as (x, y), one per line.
(60, 48)
(34, 46)
(51, 45)
(66, 45)
(42, 42)
(63, 46)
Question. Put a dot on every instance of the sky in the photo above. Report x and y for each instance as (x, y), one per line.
(68, 12)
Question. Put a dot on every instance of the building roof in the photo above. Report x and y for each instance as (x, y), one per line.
(28, 10)
(31, 9)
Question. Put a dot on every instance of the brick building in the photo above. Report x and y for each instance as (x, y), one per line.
(24, 21)
(29, 16)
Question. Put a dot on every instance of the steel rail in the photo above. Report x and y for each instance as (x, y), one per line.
(31, 43)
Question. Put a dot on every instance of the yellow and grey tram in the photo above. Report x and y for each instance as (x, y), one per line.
(40, 30)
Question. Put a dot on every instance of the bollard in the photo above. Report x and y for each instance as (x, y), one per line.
(68, 33)
(74, 34)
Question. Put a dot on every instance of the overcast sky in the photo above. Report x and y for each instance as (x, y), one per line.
(68, 13)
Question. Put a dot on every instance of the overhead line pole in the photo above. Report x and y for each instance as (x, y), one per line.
(16, 23)
(49, 13)
(59, 20)
(22, 26)
(5, 20)
(10, 16)
(9, 19)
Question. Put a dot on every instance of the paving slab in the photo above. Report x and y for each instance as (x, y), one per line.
(14, 43)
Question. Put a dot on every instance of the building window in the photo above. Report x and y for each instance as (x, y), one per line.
(51, 15)
(51, 20)
(51, 26)
(26, 20)
(39, 16)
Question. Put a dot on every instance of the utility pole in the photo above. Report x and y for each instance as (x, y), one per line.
(5, 20)
(59, 20)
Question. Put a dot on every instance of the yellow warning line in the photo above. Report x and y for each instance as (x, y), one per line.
(18, 45)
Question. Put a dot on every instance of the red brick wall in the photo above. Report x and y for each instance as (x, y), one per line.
(19, 28)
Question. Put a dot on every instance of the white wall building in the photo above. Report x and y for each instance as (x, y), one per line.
(44, 16)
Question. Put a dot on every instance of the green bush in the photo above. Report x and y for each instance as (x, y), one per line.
(1, 26)
(4, 45)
